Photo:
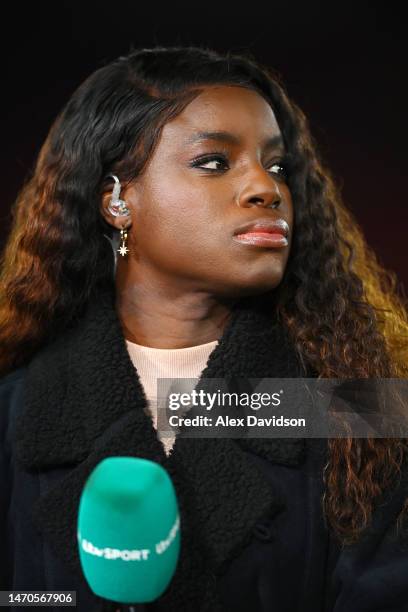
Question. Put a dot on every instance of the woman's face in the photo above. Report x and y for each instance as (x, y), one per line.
(196, 192)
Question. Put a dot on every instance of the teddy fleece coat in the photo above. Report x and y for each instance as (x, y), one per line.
(253, 534)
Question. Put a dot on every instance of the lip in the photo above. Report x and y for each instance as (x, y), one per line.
(263, 233)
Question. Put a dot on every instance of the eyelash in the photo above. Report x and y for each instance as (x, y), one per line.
(196, 163)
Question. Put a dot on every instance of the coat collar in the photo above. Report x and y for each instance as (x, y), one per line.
(85, 401)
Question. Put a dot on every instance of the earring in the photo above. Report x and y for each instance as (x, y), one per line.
(117, 207)
(123, 250)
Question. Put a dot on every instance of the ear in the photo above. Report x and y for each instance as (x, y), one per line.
(122, 221)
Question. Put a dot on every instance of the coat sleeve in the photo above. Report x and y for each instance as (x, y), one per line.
(9, 387)
(4, 485)
(372, 576)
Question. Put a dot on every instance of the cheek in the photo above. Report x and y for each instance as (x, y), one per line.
(183, 227)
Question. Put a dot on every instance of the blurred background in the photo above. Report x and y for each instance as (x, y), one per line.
(344, 64)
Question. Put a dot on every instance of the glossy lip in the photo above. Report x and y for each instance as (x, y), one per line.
(263, 233)
(269, 226)
(262, 240)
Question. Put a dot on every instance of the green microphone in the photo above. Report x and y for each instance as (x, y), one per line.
(128, 530)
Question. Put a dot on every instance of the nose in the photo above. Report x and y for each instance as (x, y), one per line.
(262, 192)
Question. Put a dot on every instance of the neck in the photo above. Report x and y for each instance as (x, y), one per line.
(173, 321)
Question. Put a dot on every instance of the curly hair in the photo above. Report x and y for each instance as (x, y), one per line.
(340, 306)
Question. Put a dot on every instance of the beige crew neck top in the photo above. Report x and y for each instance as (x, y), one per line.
(153, 363)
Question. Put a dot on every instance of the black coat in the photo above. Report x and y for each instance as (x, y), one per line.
(253, 534)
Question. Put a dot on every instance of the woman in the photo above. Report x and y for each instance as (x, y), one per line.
(180, 153)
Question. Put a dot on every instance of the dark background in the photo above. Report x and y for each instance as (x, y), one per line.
(344, 64)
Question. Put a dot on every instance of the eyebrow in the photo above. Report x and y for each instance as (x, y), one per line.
(271, 142)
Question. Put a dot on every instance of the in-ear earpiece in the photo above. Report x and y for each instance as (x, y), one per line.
(117, 206)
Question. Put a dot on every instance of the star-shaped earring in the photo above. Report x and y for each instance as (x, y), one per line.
(123, 250)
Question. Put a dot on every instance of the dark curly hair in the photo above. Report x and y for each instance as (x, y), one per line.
(340, 306)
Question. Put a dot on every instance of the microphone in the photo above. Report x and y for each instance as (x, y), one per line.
(128, 530)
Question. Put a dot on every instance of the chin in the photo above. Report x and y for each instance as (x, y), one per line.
(260, 290)
(262, 282)
(248, 289)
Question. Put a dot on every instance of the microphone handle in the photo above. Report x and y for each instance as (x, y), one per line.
(134, 608)
(110, 606)
(114, 606)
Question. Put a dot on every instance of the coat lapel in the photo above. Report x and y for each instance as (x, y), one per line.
(85, 402)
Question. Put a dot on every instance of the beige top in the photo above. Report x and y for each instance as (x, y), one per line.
(154, 363)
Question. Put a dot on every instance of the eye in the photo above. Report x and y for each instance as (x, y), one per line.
(283, 170)
(214, 159)
(209, 159)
